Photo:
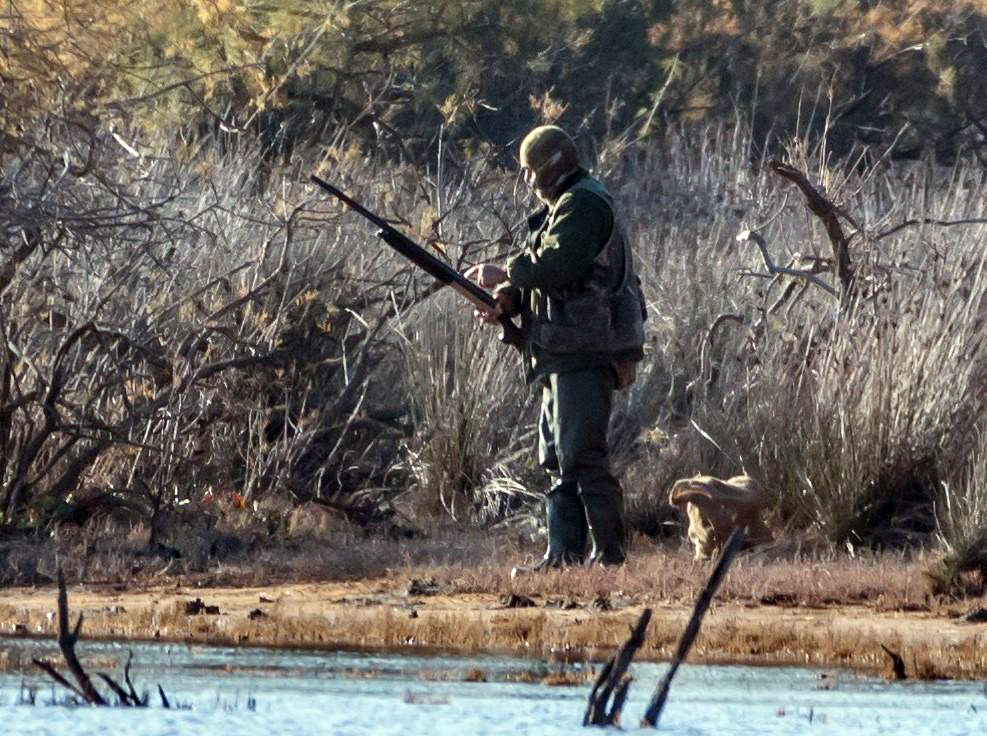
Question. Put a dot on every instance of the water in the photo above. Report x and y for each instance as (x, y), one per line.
(269, 692)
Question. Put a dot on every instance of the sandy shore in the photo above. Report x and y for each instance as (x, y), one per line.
(417, 615)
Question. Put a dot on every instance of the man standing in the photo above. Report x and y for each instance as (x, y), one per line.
(582, 314)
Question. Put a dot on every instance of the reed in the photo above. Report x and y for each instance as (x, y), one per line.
(235, 346)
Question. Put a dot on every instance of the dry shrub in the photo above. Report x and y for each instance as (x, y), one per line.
(243, 347)
(247, 341)
(840, 412)
(962, 527)
(471, 416)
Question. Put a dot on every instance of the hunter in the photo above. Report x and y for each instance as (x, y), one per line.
(582, 314)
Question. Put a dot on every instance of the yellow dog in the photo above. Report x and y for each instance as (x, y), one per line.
(716, 507)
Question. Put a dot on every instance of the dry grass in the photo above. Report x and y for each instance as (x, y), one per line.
(778, 605)
(962, 518)
(457, 560)
(344, 383)
(827, 610)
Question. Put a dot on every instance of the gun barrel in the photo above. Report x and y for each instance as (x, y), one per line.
(351, 203)
(436, 268)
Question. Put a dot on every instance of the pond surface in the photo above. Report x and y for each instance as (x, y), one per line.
(269, 692)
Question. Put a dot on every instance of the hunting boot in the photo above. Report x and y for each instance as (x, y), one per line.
(567, 531)
(606, 527)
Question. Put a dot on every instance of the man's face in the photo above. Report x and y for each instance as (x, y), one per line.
(529, 176)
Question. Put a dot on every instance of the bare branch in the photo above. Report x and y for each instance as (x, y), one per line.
(67, 641)
(115, 687)
(612, 678)
(830, 215)
(929, 221)
(657, 703)
(749, 236)
(57, 677)
(130, 685)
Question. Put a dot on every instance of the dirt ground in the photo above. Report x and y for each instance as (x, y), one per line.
(557, 619)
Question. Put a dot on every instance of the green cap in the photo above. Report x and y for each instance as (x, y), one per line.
(550, 155)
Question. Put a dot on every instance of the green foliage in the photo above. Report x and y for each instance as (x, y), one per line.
(829, 7)
(394, 74)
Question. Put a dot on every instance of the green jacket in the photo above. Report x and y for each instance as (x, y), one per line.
(561, 262)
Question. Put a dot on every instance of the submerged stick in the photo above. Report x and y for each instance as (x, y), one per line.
(115, 687)
(126, 678)
(83, 687)
(612, 677)
(66, 642)
(57, 677)
(654, 709)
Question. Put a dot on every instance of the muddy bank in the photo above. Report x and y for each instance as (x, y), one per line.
(419, 614)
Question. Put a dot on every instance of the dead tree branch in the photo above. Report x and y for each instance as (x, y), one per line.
(928, 221)
(749, 236)
(57, 677)
(708, 370)
(115, 687)
(130, 685)
(613, 679)
(66, 642)
(830, 215)
(83, 687)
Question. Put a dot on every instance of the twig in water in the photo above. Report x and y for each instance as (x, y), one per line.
(613, 677)
(164, 698)
(126, 678)
(66, 642)
(115, 687)
(733, 544)
(83, 687)
(56, 676)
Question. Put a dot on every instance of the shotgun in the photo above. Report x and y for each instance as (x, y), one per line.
(511, 334)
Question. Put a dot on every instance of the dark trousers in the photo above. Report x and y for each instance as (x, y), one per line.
(575, 414)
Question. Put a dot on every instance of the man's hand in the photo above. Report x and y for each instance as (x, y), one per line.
(505, 305)
(486, 275)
